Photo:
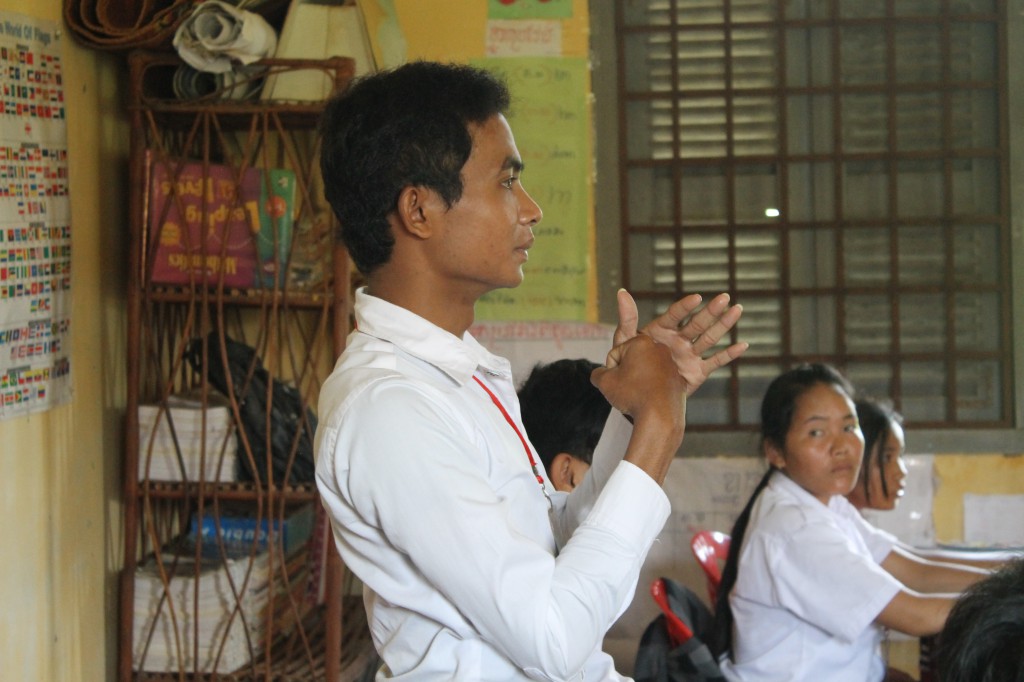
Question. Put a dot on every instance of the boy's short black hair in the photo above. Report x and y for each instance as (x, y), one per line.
(562, 410)
(983, 640)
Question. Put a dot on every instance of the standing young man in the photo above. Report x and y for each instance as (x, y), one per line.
(474, 567)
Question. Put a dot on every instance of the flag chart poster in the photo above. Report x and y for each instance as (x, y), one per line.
(35, 219)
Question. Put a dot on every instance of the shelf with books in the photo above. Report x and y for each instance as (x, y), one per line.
(226, 358)
(292, 659)
(253, 298)
(153, 76)
(237, 491)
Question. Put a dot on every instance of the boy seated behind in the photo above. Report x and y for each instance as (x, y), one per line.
(564, 414)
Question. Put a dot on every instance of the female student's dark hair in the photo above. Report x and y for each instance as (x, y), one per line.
(876, 420)
(982, 638)
(777, 408)
(407, 127)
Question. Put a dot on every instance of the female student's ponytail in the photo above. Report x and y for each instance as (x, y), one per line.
(777, 410)
(721, 631)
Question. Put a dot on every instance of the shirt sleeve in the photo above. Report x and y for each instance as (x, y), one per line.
(879, 542)
(417, 475)
(823, 579)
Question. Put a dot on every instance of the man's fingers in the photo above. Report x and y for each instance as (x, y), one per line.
(710, 336)
(674, 316)
(712, 364)
(612, 359)
(628, 316)
(704, 319)
(724, 357)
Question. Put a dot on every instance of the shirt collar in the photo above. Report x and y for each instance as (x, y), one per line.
(781, 481)
(458, 358)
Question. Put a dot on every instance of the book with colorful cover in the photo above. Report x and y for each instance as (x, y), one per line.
(203, 225)
(240, 531)
(277, 216)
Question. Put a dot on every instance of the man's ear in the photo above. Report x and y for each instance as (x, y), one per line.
(561, 472)
(773, 453)
(415, 210)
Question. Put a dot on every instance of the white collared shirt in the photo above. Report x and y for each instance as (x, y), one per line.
(808, 590)
(435, 508)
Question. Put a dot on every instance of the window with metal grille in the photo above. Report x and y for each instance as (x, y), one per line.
(840, 167)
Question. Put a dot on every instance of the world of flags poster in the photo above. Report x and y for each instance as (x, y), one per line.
(35, 219)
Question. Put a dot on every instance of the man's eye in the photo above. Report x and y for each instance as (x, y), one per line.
(510, 181)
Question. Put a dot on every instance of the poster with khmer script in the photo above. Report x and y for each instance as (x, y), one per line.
(550, 120)
(35, 219)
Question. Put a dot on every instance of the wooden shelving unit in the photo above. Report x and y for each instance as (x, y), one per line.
(297, 328)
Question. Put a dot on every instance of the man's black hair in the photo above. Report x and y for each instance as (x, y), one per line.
(408, 126)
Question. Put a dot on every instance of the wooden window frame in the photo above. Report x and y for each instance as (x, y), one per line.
(1000, 435)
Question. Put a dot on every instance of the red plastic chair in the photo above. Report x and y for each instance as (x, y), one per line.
(678, 631)
(711, 549)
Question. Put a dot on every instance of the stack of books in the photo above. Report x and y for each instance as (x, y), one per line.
(243, 600)
(182, 441)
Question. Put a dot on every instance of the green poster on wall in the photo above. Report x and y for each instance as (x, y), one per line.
(529, 9)
(550, 121)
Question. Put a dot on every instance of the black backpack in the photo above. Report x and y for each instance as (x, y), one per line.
(291, 426)
(661, 656)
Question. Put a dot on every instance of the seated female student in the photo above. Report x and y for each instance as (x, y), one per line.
(883, 472)
(809, 585)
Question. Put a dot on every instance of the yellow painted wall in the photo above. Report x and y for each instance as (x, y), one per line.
(958, 475)
(60, 482)
(955, 476)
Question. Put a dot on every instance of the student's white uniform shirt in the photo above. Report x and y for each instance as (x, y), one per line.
(434, 507)
(808, 591)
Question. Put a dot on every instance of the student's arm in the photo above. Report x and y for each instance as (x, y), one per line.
(930, 577)
(917, 615)
(942, 557)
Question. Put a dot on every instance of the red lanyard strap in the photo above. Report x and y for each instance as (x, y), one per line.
(526, 446)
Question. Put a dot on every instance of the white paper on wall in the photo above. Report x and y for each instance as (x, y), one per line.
(994, 520)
